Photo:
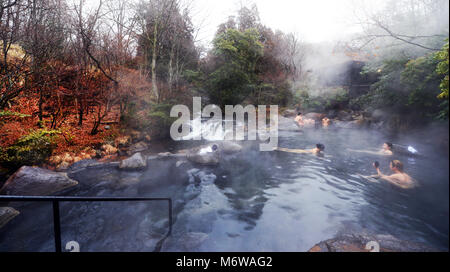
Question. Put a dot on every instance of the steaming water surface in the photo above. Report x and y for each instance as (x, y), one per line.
(252, 201)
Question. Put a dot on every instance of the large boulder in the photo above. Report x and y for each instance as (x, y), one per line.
(362, 242)
(36, 181)
(137, 161)
(6, 214)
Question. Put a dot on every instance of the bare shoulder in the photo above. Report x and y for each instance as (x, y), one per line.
(403, 180)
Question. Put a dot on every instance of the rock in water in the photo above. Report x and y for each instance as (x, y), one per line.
(361, 242)
(137, 161)
(210, 158)
(36, 181)
(205, 154)
(6, 214)
(127, 179)
(229, 147)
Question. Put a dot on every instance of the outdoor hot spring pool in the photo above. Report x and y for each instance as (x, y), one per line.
(252, 201)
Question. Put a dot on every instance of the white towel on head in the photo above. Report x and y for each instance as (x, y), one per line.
(412, 149)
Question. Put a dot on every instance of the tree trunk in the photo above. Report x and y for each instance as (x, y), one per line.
(41, 101)
(171, 69)
(154, 84)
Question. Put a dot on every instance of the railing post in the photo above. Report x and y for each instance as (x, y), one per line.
(170, 216)
(56, 225)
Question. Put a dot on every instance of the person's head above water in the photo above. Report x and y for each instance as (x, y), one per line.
(388, 146)
(396, 165)
(214, 147)
(320, 147)
(299, 113)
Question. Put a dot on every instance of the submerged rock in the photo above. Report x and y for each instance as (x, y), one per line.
(359, 241)
(36, 181)
(137, 161)
(128, 179)
(6, 214)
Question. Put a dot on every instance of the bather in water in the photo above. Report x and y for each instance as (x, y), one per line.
(304, 122)
(316, 150)
(386, 150)
(399, 178)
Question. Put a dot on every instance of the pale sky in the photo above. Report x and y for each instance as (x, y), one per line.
(312, 20)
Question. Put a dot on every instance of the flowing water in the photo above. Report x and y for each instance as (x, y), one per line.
(252, 201)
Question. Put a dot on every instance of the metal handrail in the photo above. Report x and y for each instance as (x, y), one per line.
(56, 199)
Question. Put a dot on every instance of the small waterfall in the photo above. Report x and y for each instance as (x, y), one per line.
(209, 130)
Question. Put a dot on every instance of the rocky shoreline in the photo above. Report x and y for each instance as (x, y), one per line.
(38, 181)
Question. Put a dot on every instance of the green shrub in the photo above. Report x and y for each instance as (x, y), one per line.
(330, 99)
(278, 93)
(13, 114)
(31, 149)
(406, 86)
(442, 69)
(160, 120)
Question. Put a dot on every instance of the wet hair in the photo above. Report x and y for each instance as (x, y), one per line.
(321, 147)
(397, 164)
(214, 147)
(390, 145)
(299, 113)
